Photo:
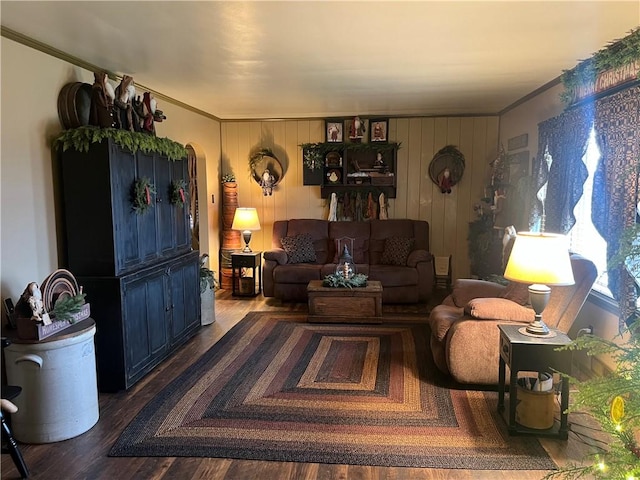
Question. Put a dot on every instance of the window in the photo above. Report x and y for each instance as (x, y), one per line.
(584, 238)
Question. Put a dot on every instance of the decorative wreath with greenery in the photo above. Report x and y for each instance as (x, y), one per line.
(143, 189)
(82, 137)
(178, 195)
(334, 280)
(313, 154)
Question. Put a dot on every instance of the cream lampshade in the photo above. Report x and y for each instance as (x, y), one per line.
(540, 259)
(246, 220)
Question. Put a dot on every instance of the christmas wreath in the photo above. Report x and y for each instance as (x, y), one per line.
(142, 191)
(178, 193)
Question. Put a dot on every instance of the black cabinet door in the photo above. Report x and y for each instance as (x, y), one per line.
(145, 312)
(148, 225)
(185, 297)
(164, 208)
(126, 235)
(182, 230)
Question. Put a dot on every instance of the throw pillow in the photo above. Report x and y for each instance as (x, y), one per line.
(516, 292)
(396, 251)
(299, 248)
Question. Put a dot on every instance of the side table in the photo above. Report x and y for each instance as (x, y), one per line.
(536, 354)
(240, 260)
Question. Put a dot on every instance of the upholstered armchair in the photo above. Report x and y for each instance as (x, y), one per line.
(464, 328)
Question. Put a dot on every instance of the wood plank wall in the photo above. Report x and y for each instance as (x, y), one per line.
(417, 196)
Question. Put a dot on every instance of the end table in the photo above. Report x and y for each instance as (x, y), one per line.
(535, 354)
(240, 260)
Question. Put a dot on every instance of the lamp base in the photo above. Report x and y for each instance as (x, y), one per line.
(246, 236)
(537, 329)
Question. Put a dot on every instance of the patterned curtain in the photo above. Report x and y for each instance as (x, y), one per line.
(616, 186)
(562, 143)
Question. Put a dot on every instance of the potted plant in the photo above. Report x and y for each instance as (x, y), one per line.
(208, 286)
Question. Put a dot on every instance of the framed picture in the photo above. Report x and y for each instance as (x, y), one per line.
(379, 127)
(334, 131)
(356, 129)
(518, 164)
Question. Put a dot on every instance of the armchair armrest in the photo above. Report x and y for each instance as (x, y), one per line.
(466, 289)
(498, 309)
(418, 256)
(277, 255)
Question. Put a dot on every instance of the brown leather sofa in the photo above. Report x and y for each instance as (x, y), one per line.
(464, 328)
(406, 281)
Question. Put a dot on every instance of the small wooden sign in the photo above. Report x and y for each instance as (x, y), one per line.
(30, 330)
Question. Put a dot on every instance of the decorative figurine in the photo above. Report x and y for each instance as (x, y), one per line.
(31, 304)
(125, 93)
(445, 181)
(148, 110)
(102, 97)
(267, 182)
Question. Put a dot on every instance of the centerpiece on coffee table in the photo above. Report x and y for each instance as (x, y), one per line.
(346, 275)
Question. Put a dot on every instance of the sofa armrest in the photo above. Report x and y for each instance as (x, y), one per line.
(277, 255)
(466, 289)
(418, 256)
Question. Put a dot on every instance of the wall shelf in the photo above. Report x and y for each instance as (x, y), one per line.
(368, 167)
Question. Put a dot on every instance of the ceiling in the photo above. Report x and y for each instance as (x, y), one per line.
(321, 59)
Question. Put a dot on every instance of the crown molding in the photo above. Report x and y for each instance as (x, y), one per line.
(54, 52)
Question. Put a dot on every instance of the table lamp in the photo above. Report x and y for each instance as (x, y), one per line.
(539, 259)
(246, 220)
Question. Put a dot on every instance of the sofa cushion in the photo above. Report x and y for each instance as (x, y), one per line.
(301, 273)
(396, 251)
(498, 309)
(299, 248)
(393, 275)
(516, 292)
(358, 248)
(319, 232)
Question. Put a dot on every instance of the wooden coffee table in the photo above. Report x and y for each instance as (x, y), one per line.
(345, 305)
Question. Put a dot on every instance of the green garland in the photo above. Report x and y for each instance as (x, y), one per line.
(178, 195)
(143, 190)
(82, 137)
(256, 157)
(334, 280)
(65, 307)
(313, 154)
(618, 54)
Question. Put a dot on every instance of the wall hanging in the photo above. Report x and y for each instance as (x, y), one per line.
(446, 168)
(265, 169)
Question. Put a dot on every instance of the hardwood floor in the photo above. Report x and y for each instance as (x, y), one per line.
(85, 457)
